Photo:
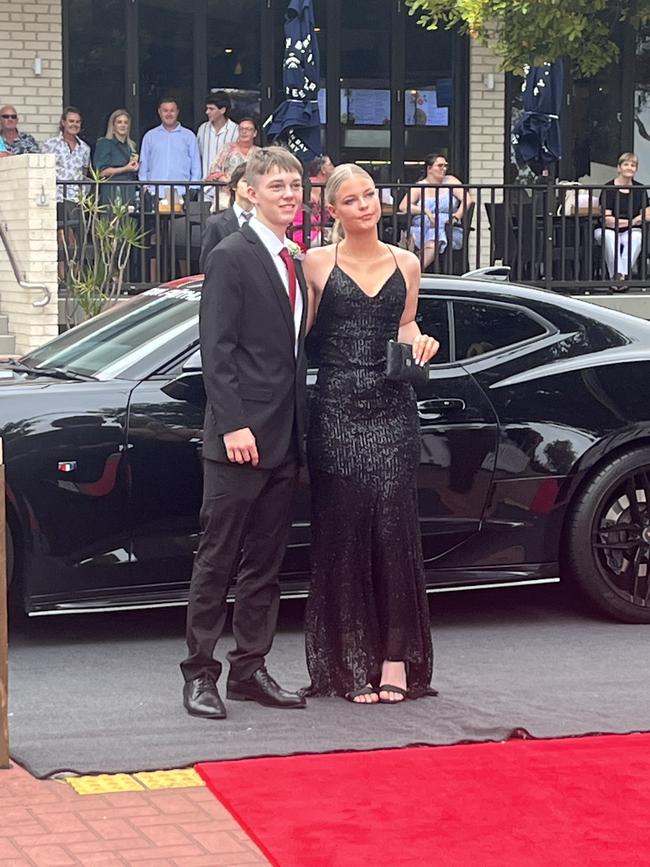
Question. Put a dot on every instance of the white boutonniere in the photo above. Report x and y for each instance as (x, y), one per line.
(295, 250)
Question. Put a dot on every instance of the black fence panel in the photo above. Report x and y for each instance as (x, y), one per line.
(567, 237)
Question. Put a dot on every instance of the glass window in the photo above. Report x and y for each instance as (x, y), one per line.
(134, 326)
(96, 53)
(481, 328)
(605, 100)
(165, 40)
(365, 46)
(432, 318)
(234, 45)
(365, 39)
(428, 95)
(642, 105)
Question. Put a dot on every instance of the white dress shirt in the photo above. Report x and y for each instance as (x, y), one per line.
(274, 245)
(211, 142)
(239, 211)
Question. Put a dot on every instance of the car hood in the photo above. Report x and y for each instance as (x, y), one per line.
(17, 381)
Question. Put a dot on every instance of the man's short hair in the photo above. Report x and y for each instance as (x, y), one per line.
(221, 99)
(236, 176)
(263, 160)
(169, 99)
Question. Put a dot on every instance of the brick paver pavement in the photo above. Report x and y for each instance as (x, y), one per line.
(45, 823)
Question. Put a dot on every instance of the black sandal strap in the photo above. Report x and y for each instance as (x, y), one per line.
(389, 687)
(364, 690)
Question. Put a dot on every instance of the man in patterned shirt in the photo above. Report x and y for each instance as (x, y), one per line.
(72, 155)
(15, 142)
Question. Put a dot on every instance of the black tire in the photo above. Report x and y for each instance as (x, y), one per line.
(608, 538)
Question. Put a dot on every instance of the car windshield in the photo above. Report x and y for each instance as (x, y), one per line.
(130, 328)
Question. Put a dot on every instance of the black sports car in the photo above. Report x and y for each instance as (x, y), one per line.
(535, 451)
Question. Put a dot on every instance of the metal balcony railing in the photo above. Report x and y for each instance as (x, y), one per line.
(556, 236)
(19, 274)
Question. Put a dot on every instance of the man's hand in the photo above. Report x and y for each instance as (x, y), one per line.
(241, 447)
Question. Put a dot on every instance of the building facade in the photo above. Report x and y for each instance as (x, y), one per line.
(391, 92)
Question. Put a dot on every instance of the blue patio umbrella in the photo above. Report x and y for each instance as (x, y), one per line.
(296, 120)
(536, 134)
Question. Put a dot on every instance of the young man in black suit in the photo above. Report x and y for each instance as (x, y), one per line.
(252, 327)
(218, 226)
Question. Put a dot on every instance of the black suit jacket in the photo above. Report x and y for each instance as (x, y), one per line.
(252, 376)
(217, 227)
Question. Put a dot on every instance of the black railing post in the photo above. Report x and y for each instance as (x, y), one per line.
(548, 235)
(562, 248)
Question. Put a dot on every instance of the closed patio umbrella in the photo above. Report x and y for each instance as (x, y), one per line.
(296, 120)
(536, 134)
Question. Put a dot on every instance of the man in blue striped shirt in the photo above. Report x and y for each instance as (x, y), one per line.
(169, 152)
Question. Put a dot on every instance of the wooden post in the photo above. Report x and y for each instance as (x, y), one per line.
(4, 653)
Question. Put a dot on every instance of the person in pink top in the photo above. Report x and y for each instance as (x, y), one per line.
(318, 172)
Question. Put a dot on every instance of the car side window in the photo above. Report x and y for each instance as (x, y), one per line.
(481, 328)
(433, 319)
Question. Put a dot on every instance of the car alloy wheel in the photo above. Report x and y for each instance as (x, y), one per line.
(621, 538)
(608, 538)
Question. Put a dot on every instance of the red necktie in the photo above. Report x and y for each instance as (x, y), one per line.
(285, 255)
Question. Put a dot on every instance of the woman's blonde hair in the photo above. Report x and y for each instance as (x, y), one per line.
(341, 174)
(628, 156)
(110, 127)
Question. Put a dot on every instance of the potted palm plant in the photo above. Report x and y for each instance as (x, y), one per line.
(97, 253)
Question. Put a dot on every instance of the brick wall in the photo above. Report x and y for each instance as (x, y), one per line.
(28, 213)
(486, 131)
(30, 29)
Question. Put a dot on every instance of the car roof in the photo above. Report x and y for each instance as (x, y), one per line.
(498, 290)
(534, 298)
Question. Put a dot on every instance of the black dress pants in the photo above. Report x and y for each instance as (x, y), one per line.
(245, 519)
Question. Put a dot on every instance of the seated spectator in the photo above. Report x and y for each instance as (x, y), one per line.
(231, 156)
(15, 142)
(116, 159)
(439, 201)
(72, 155)
(218, 226)
(625, 210)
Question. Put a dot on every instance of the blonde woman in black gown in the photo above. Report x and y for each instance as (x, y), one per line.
(367, 620)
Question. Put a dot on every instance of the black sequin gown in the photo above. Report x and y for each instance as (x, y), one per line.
(367, 601)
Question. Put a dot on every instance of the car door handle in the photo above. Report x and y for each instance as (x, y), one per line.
(431, 409)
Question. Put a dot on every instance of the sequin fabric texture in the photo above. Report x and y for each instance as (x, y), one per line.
(367, 601)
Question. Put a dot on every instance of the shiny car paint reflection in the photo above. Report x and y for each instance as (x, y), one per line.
(520, 427)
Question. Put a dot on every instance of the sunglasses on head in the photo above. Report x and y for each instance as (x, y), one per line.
(9, 116)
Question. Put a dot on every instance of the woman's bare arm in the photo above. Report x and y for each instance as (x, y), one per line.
(414, 196)
(424, 346)
(317, 264)
(463, 196)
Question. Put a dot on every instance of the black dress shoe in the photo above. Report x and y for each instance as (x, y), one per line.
(264, 690)
(201, 698)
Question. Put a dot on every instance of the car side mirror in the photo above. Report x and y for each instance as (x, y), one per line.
(188, 387)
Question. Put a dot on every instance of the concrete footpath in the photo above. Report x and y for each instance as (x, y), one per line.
(47, 823)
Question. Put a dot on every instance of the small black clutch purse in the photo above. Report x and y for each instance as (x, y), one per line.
(401, 366)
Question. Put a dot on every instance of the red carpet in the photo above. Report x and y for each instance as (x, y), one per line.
(575, 802)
